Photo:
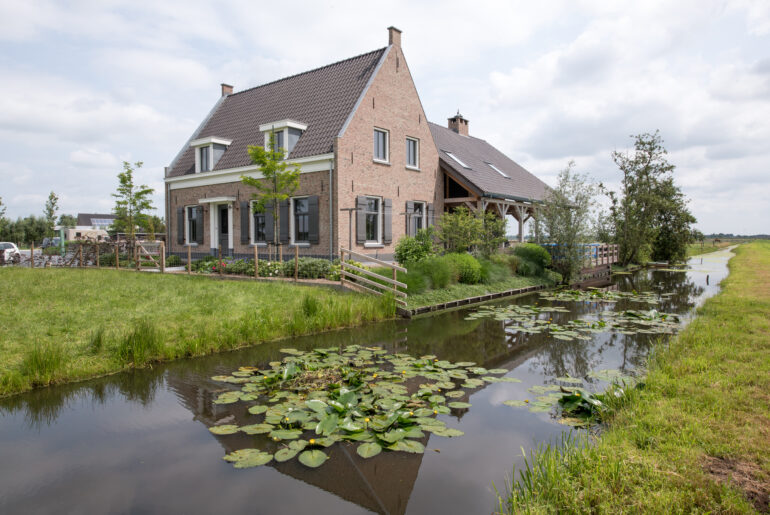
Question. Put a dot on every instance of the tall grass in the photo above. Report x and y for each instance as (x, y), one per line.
(43, 363)
(140, 345)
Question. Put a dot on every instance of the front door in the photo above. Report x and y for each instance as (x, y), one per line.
(224, 228)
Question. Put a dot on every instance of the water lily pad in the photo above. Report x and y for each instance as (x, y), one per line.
(285, 454)
(412, 446)
(228, 398)
(258, 409)
(256, 429)
(455, 394)
(367, 450)
(226, 429)
(515, 403)
(246, 458)
(448, 432)
(327, 425)
(313, 458)
(497, 371)
(459, 405)
(286, 434)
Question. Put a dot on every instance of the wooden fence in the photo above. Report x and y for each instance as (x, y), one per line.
(361, 279)
(145, 256)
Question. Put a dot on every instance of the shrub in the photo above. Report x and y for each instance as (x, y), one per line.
(309, 268)
(534, 253)
(466, 268)
(333, 274)
(270, 268)
(416, 281)
(528, 269)
(437, 269)
(493, 272)
(509, 260)
(411, 249)
(172, 260)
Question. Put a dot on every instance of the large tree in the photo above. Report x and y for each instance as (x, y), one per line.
(565, 220)
(132, 202)
(278, 182)
(673, 223)
(68, 221)
(51, 207)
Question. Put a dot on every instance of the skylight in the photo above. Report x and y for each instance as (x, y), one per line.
(457, 159)
(493, 167)
(101, 221)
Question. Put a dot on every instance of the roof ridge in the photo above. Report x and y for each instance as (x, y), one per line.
(308, 71)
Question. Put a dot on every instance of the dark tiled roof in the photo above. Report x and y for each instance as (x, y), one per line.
(476, 153)
(85, 218)
(320, 98)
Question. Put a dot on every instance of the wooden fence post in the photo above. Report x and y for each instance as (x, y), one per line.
(162, 258)
(280, 252)
(395, 288)
(96, 249)
(117, 256)
(80, 255)
(342, 267)
(189, 259)
(219, 259)
(256, 262)
(296, 262)
(31, 254)
(136, 257)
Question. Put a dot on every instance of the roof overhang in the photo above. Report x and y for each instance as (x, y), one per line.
(202, 142)
(462, 180)
(215, 200)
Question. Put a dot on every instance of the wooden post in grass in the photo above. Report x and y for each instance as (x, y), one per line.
(256, 262)
(136, 256)
(80, 255)
(162, 257)
(96, 249)
(342, 267)
(219, 259)
(189, 259)
(117, 256)
(395, 288)
(296, 262)
(280, 252)
(31, 254)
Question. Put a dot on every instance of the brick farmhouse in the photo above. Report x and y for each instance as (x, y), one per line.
(372, 167)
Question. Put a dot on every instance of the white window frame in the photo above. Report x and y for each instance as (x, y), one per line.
(252, 240)
(187, 224)
(415, 166)
(424, 216)
(387, 146)
(380, 222)
(207, 142)
(291, 223)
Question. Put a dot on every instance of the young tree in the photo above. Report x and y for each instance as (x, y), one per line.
(3, 221)
(459, 230)
(132, 202)
(278, 182)
(51, 207)
(565, 219)
(492, 233)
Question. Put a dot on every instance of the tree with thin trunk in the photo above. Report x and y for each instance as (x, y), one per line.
(278, 182)
(51, 207)
(132, 202)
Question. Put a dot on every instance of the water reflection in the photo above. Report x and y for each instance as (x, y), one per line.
(138, 440)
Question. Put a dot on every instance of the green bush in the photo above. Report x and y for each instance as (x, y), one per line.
(411, 249)
(534, 253)
(466, 268)
(308, 268)
(528, 268)
(437, 269)
(509, 260)
(493, 272)
(172, 260)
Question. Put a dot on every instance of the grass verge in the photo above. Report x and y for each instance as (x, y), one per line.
(695, 439)
(463, 291)
(60, 325)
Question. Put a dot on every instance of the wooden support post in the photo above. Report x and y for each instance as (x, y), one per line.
(219, 259)
(296, 262)
(189, 259)
(31, 254)
(256, 262)
(80, 255)
(117, 256)
(96, 249)
(162, 257)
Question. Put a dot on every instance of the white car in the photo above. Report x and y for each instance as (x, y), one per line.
(10, 252)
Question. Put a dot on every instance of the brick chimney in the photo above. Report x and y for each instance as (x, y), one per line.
(226, 89)
(458, 124)
(394, 36)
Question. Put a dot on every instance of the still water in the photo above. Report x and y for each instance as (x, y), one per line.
(139, 442)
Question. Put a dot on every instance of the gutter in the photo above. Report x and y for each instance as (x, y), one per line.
(331, 212)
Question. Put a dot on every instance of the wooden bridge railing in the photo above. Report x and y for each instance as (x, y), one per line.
(358, 278)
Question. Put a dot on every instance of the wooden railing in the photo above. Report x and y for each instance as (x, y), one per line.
(358, 278)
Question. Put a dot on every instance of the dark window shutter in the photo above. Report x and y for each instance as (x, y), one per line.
(408, 216)
(269, 235)
(180, 225)
(199, 225)
(245, 212)
(387, 219)
(430, 215)
(283, 207)
(360, 219)
(312, 205)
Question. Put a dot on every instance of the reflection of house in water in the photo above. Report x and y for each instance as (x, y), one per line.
(382, 484)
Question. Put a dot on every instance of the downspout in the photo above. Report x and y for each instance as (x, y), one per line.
(331, 212)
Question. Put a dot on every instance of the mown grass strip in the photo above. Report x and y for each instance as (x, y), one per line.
(464, 291)
(60, 325)
(695, 438)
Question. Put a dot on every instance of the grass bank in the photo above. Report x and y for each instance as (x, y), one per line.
(463, 291)
(696, 249)
(59, 325)
(696, 438)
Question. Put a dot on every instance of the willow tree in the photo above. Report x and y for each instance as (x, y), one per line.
(277, 184)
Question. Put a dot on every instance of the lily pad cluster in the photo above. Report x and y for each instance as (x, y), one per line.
(600, 295)
(314, 399)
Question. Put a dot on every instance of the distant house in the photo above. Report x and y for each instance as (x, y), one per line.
(90, 226)
(373, 167)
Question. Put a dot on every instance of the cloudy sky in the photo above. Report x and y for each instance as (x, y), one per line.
(85, 85)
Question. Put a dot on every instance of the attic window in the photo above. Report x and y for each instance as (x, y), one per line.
(493, 167)
(208, 152)
(457, 160)
(286, 133)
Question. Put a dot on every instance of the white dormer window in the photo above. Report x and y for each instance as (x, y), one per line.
(285, 132)
(208, 152)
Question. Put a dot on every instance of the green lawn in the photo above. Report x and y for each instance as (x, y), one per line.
(61, 325)
(696, 438)
(463, 291)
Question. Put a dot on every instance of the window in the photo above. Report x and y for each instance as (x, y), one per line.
(259, 228)
(278, 141)
(417, 221)
(381, 145)
(412, 153)
(301, 214)
(457, 160)
(193, 231)
(204, 158)
(493, 167)
(294, 135)
(372, 215)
